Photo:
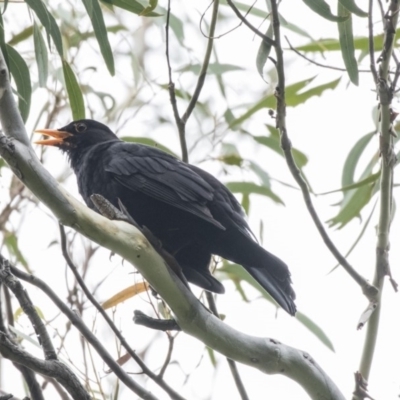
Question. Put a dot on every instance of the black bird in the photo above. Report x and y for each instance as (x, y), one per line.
(187, 209)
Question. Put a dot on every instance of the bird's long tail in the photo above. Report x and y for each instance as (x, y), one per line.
(268, 270)
(274, 276)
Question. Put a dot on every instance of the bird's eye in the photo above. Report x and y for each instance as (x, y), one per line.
(81, 127)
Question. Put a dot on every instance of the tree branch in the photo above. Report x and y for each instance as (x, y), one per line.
(267, 355)
(51, 366)
(382, 267)
(174, 395)
(181, 121)
(204, 67)
(369, 290)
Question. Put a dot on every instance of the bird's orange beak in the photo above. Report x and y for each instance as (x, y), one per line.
(58, 137)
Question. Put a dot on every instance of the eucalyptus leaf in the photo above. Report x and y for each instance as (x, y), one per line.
(148, 142)
(263, 52)
(351, 6)
(20, 72)
(74, 92)
(347, 44)
(42, 59)
(247, 188)
(132, 6)
(238, 273)
(48, 22)
(321, 7)
(96, 16)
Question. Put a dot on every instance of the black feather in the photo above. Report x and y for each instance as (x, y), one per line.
(186, 208)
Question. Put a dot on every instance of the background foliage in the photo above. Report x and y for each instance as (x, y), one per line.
(106, 60)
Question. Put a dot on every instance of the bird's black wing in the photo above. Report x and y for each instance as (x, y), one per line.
(225, 207)
(162, 177)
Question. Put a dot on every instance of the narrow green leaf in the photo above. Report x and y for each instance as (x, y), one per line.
(270, 101)
(245, 7)
(246, 203)
(11, 242)
(347, 44)
(322, 8)
(211, 354)
(293, 100)
(5, 7)
(20, 72)
(263, 175)
(315, 329)
(263, 52)
(360, 43)
(41, 55)
(370, 179)
(74, 92)
(353, 199)
(96, 16)
(152, 5)
(176, 25)
(352, 209)
(247, 188)
(229, 117)
(230, 154)
(353, 7)
(2, 164)
(274, 144)
(294, 28)
(148, 142)
(352, 159)
(213, 68)
(21, 36)
(48, 22)
(238, 273)
(361, 234)
(131, 6)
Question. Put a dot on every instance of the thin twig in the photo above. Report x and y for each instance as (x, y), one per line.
(145, 369)
(247, 23)
(366, 287)
(29, 309)
(34, 386)
(202, 75)
(172, 96)
(51, 366)
(317, 63)
(85, 331)
(232, 365)
(171, 341)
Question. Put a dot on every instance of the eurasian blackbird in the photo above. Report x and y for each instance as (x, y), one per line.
(187, 209)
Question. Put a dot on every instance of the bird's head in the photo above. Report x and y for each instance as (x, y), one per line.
(79, 134)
